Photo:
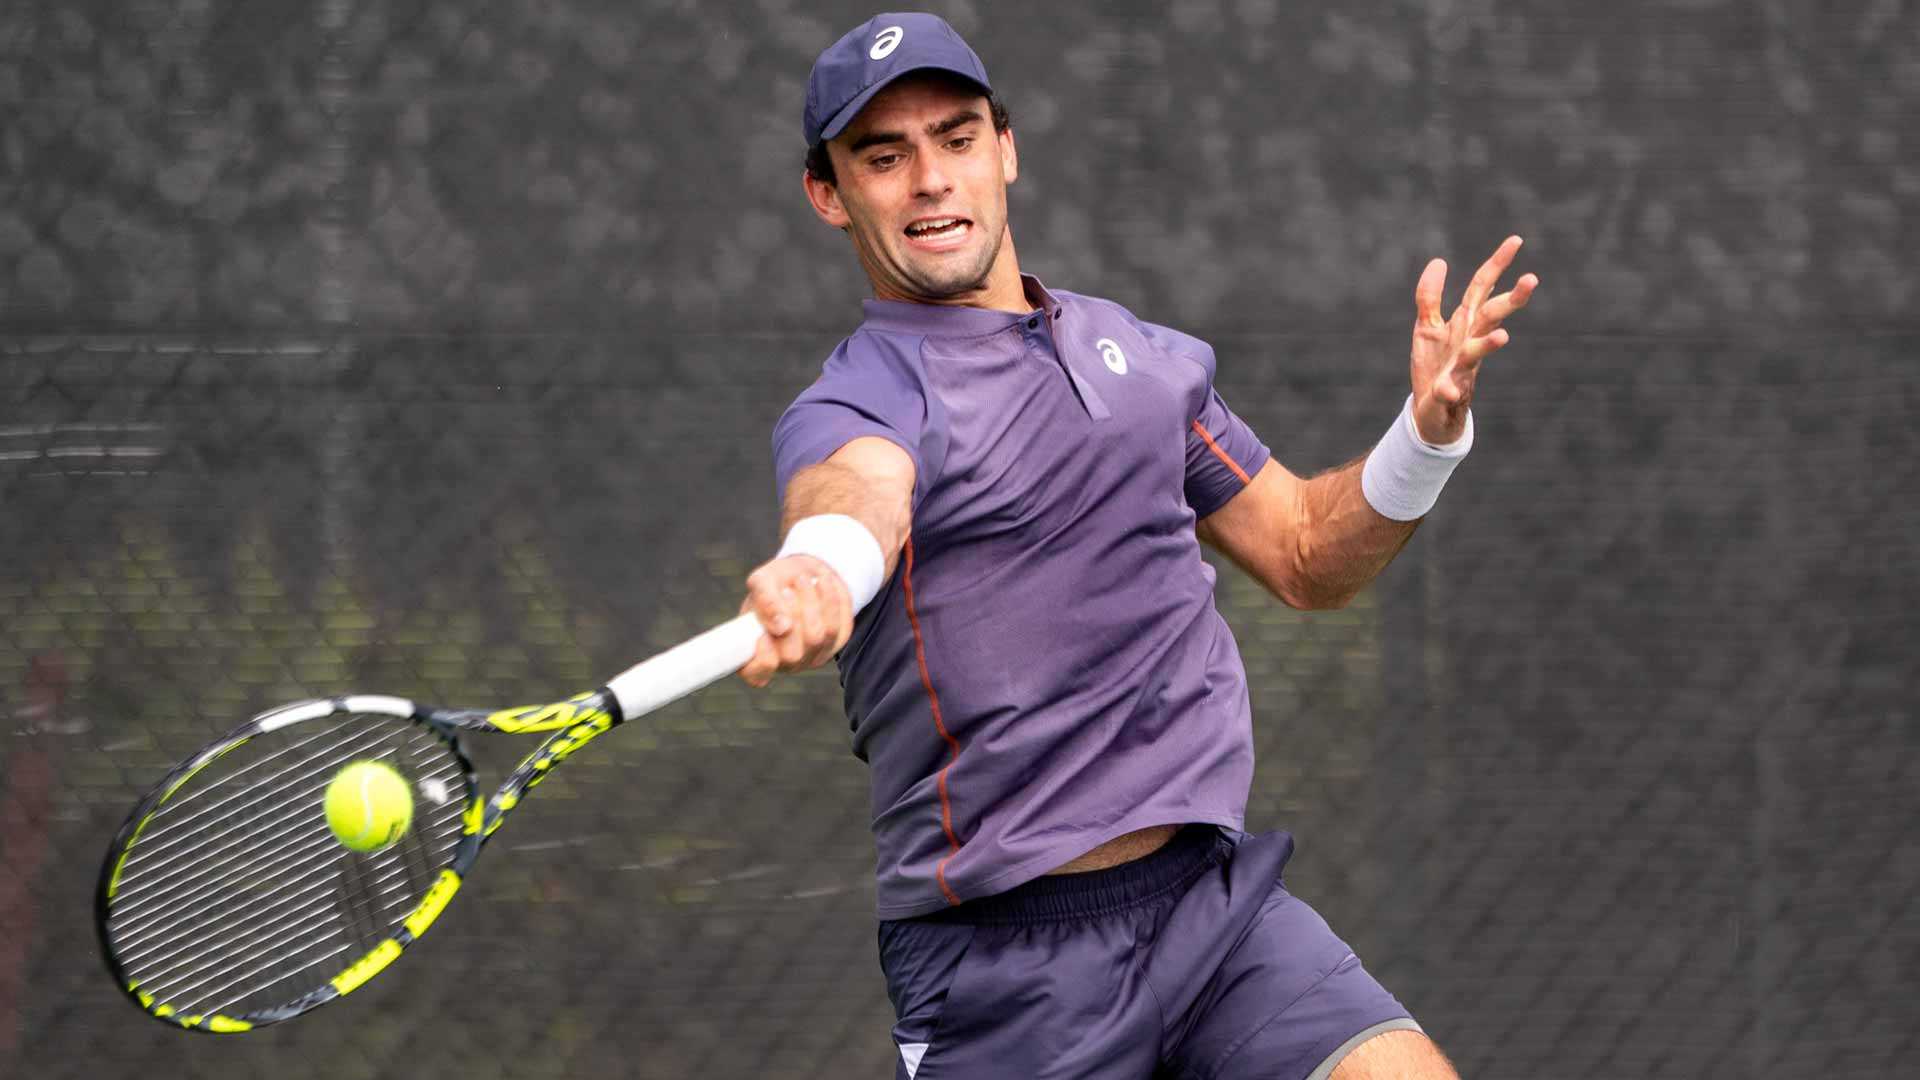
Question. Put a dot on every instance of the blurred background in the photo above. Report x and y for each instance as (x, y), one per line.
(432, 347)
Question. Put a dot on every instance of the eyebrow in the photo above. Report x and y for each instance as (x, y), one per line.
(875, 138)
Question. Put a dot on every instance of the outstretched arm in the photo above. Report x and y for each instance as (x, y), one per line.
(1313, 543)
(802, 602)
(1316, 543)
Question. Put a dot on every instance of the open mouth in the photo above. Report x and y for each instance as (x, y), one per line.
(939, 232)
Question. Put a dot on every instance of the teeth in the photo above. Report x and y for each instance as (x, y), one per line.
(926, 227)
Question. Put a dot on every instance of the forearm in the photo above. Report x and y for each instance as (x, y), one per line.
(870, 484)
(1342, 542)
(1316, 543)
(808, 594)
(1355, 519)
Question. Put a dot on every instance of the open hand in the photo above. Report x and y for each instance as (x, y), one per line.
(1447, 352)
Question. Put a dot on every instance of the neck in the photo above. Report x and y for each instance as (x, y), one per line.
(1002, 291)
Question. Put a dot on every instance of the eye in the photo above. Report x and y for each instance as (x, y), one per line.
(883, 161)
(960, 143)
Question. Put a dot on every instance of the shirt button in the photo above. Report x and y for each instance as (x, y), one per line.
(1033, 323)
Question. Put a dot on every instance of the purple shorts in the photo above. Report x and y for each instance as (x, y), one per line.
(1192, 963)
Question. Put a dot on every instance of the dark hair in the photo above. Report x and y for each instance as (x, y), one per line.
(820, 164)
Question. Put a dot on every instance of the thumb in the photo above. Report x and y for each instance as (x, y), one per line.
(1426, 294)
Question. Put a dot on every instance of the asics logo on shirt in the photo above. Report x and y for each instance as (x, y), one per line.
(1110, 352)
(885, 42)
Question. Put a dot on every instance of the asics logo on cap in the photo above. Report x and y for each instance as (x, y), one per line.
(1110, 352)
(885, 42)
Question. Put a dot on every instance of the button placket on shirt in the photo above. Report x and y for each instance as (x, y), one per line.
(1046, 345)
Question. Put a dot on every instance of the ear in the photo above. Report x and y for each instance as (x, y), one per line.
(1009, 157)
(825, 200)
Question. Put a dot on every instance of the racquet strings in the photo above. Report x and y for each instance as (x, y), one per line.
(236, 896)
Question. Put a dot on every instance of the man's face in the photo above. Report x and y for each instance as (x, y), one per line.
(921, 187)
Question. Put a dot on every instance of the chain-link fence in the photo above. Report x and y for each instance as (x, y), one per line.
(432, 348)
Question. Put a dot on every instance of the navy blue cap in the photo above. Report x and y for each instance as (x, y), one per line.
(861, 64)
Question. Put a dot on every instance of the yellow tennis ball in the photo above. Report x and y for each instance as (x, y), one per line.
(369, 806)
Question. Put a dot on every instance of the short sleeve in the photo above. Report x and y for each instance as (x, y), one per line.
(1223, 453)
(862, 391)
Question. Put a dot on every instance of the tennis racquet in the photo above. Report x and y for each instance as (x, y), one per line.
(225, 902)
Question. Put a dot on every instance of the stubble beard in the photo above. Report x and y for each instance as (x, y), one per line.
(943, 282)
(947, 282)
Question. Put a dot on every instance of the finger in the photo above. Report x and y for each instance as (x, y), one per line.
(813, 621)
(1477, 349)
(759, 671)
(834, 613)
(792, 647)
(1426, 293)
(1495, 311)
(767, 604)
(1489, 273)
(1454, 386)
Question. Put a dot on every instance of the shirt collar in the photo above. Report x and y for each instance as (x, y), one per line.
(947, 320)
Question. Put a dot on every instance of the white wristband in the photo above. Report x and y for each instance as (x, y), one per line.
(1403, 476)
(845, 545)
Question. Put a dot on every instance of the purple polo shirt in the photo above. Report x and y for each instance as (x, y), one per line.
(1045, 671)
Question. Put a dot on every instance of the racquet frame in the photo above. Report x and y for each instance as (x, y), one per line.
(574, 722)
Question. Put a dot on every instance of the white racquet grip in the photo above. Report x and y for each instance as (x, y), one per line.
(844, 544)
(1403, 476)
(686, 667)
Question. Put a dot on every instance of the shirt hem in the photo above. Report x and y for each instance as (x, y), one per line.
(1067, 849)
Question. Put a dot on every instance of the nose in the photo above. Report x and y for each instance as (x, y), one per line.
(929, 179)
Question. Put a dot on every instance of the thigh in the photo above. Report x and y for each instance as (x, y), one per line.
(1287, 1003)
(1061, 1001)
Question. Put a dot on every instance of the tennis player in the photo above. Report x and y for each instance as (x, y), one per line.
(993, 502)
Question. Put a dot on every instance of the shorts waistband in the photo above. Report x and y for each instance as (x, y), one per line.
(1169, 869)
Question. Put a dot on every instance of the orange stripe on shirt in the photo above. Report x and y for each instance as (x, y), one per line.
(1221, 454)
(939, 724)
